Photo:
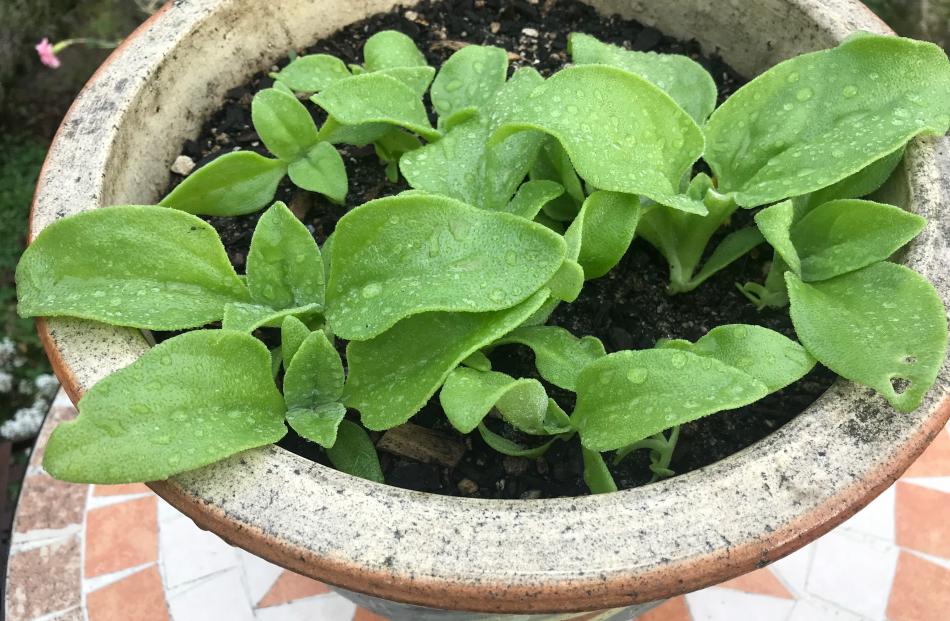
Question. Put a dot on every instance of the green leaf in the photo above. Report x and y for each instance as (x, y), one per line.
(137, 266)
(622, 133)
(882, 326)
(193, 400)
(775, 223)
(354, 453)
(321, 169)
(469, 79)
(401, 255)
(417, 79)
(532, 196)
(478, 361)
(567, 282)
(816, 119)
(559, 355)
(631, 395)
(507, 447)
(313, 385)
(388, 49)
(461, 164)
(284, 266)
(845, 235)
(395, 142)
(312, 73)
(393, 375)
(234, 184)
(680, 77)
(596, 473)
(374, 99)
(766, 355)
(319, 423)
(682, 237)
(469, 395)
(293, 333)
(603, 230)
(732, 247)
(861, 183)
(242, 317)
(553, 164)
(315, 375)
(283, 124)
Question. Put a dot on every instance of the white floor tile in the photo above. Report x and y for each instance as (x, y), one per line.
(259, 575)
(811, 610)
(793, 569)
(876, 519)
(166, 512)
(328, 607)
(715, 604)
(218, 597)
(940, 484)
(854, 571)
(188, 553)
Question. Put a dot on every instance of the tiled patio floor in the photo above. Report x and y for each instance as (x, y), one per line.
(119, 553)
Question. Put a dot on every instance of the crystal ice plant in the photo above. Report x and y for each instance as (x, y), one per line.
(525, 188)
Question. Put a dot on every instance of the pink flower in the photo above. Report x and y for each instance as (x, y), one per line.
(47, 55)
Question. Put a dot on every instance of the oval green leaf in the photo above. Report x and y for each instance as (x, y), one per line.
(188, 402)
(234, 184)
(283, 124)
(137, 266)
(321, 169)
(312, 73)
(469, 395)
(621, 132)
(390, 48)
(816, 119)
(354, 453)
(558, 355)
(393, 375)
(398, 256)
(882, 326)
(469, 79)
(284, 266)
(603, 230)
(679, 76)
(631, 395)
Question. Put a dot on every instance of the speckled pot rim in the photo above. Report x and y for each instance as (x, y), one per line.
(574, 554)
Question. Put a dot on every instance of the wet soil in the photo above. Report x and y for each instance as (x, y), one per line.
(627, 309)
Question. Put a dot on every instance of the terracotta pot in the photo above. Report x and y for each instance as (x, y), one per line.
(544, 556)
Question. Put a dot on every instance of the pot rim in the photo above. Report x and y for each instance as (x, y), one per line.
(490, 555)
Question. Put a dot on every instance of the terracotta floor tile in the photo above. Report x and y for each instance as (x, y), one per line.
(121, 536)
(49, 504)
(289, 587)
(364, 615)
(120, 490)
(671, 610)
(922, 519)
(935, 460)
(31, 591)
(138, 597)
(759, 582)
(921, 591)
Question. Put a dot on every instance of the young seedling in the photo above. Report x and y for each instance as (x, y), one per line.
(525, 189)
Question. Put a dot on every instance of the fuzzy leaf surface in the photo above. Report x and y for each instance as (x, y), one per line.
(321, 169)
(234, 184)
(813, 120)
(621, 132)
(284, 266)
(469, 395)
(393, 375)
(312, 73)
(879, 324)
(631, 395)
(679, 76)
(283, 124)
(137, 266)
(354, 453)
(188, 402)
(603, 230)
(313, 385)
(558, 355)
(402, 255)
(469, 79)
(770, 357)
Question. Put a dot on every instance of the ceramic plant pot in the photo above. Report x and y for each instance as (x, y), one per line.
(554, 557)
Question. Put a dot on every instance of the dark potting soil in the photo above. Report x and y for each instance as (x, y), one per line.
(626, 309)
